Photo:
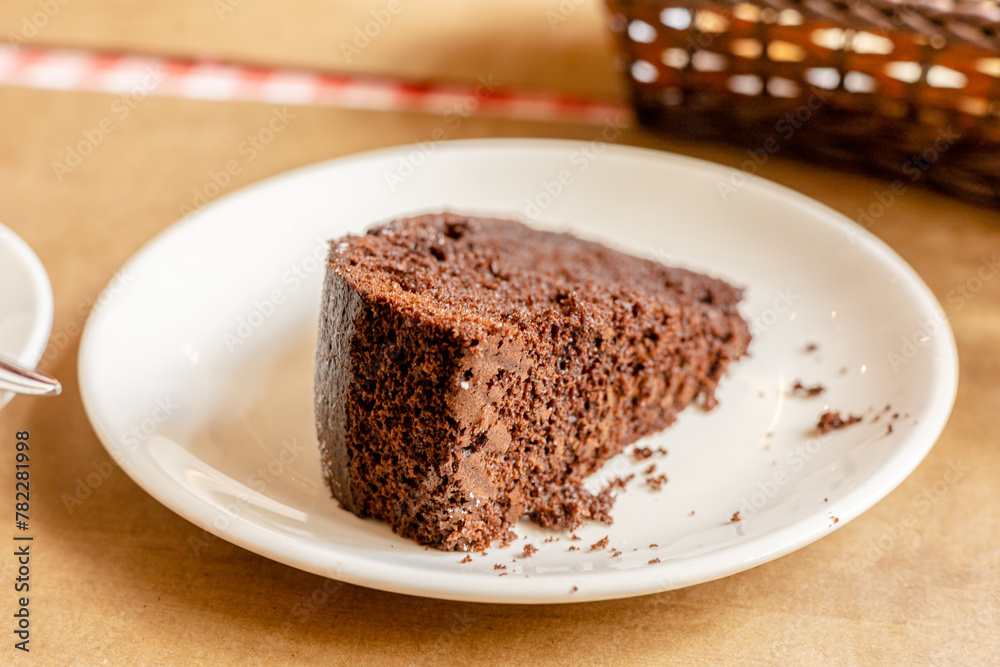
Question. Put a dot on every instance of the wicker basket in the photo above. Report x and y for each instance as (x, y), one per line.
(910, 89)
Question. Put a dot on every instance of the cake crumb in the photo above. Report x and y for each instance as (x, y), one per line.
(836, 520)
(650, 470)
(467, 559)
(654, 546)
(642, 453)
(620, 482)
(654, 561)
(568, 506)
(692, 513)
(615, 553)
(735, 517)
(888, 431)
(799, 389)
(551, 538)
(656, 483)
(575, 589)
(599, 544)
(662, 451)
(831, 421)
(811, 347)
(529, 551)
(498, 566)
(826, 500)
(574, 537)
(572, 548)
(502, 574)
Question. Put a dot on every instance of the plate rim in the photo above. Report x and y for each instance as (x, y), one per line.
(399, 578)
(32, 348)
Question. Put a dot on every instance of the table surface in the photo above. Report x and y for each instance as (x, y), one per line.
(115, 580)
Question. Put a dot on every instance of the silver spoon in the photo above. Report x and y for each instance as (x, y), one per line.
(21, 380)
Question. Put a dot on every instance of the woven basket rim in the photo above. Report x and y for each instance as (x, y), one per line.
(957, 20)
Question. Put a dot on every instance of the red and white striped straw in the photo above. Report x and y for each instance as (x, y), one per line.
(124, 74)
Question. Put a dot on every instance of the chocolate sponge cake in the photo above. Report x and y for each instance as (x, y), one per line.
(470, 371)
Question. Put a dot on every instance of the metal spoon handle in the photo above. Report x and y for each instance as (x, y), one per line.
(21, 380)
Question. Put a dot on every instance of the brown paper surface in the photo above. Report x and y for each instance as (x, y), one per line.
(115, 580)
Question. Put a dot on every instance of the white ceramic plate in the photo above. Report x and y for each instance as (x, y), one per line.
(196, 372)
(25, 303)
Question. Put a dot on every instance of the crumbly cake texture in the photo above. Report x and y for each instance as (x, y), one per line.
(470, 371)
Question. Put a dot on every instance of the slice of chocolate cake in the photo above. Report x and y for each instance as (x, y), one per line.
(471, 370)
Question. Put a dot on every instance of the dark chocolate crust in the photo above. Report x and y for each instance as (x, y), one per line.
(470, 371)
